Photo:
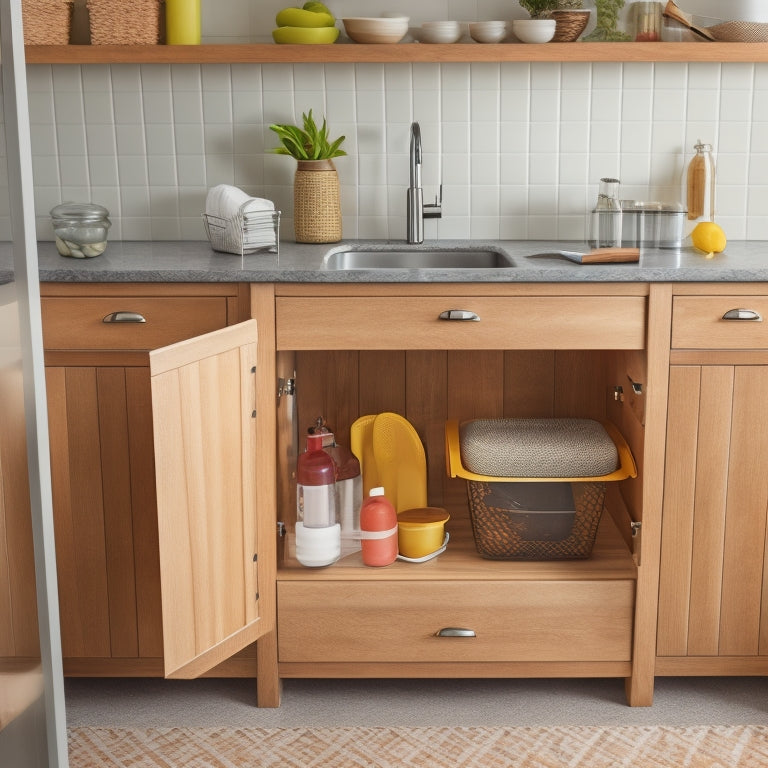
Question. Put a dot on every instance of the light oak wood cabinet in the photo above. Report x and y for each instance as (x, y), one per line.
(97, 339)
(676, 579)
(713, 614)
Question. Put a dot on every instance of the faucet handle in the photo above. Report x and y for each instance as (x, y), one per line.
(434, 210)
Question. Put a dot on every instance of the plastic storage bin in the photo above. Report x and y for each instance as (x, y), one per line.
(549, 503)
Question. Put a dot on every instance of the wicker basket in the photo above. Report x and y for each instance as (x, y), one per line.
(127, 22)
(740, 32)
(47, 22)
(569, 25)
(316, 202)
(506, 529)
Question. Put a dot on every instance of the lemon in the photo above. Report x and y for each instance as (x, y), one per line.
(708, 237)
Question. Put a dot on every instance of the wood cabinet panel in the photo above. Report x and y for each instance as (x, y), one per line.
(78, 322)
(519, 322)
(698, 322)
(712, 566)
(398, 621)
(102, 460)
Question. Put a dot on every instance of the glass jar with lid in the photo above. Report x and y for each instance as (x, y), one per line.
(80, 229)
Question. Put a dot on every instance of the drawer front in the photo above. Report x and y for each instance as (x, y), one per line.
(512, 621)
(701, 322)
(521, 322)
(79, 322)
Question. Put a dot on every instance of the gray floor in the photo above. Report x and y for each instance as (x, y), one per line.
(209, 702)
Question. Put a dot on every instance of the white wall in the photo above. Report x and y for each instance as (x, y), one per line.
(519, 147)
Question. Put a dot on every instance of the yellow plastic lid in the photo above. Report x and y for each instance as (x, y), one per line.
(422, 515)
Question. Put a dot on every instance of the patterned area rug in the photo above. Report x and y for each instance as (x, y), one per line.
(555, 747)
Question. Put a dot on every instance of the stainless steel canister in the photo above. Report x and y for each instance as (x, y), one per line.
(654, 225)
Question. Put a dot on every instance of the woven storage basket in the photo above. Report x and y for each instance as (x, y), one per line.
(740, 32)
(505, 531)
(569, 25)
(47, 22)
(316, 202)
(526, 501)
(126, 22)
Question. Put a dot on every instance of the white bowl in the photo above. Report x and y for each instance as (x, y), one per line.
(534, 30)
(439, 32)
(488, 31)
(376, 29)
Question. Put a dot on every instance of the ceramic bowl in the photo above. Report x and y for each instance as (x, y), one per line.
(488, 31)
(439, 32)
(534, 30)
(377, 29)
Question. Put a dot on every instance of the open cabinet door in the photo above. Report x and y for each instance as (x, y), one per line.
(204, 405)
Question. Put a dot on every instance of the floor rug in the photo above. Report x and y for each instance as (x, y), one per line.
(426, 747)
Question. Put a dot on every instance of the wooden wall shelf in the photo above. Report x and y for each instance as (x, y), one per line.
(404, 52)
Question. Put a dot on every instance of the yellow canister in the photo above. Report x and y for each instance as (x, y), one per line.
(420, 532)
(182, 22)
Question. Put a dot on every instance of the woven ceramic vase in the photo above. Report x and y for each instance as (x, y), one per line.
(316, 202)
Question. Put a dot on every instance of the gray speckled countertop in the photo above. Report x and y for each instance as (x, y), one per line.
(194, 261)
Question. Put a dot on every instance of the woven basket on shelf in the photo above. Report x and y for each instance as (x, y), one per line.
(128, 22)
(569, 25)
(740, 32)
(47, 22)
(316, 202)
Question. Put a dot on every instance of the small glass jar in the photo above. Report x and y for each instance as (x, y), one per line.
(80, 229)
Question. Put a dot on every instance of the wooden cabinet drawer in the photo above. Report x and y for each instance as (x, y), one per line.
(520, 322)
(398, 621)
(701, 322)
(79, 322)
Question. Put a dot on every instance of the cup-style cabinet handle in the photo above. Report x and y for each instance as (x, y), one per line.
(743, 314)
(459, 314)
(124, 317)
(455, 632)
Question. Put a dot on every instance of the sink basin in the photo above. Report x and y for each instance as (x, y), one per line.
(403, 257)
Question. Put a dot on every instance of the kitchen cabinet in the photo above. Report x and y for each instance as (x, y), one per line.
(537, 350)
(97, 339)
(404, 52)
(713, 614)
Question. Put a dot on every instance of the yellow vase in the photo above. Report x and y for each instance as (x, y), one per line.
(182, 22)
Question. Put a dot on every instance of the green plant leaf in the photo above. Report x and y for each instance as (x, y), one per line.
(308, 142)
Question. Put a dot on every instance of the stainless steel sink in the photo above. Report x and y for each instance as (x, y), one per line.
(403, 257)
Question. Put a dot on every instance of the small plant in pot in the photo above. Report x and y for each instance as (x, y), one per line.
(316, 193)
(539, 9)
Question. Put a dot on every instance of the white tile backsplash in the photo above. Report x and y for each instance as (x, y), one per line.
(514, 144)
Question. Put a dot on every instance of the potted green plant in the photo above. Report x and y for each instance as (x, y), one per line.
(539, 9)
(316, 193)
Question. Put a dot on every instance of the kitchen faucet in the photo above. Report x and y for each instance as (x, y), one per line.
(416, 211)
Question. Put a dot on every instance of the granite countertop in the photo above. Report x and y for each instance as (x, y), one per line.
(195, 261)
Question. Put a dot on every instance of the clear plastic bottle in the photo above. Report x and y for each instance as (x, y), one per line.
(349, 492)
(605, 225)
(318, 532)
(700, 186)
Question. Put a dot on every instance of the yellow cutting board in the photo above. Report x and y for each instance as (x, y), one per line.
(361, 444)
(401, 463)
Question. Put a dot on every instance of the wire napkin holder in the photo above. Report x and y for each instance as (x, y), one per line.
(244, 233)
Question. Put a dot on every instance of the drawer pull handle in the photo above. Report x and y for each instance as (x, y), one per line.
(124, 317)
(743, 314)
(459, 314)
(455, 632)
